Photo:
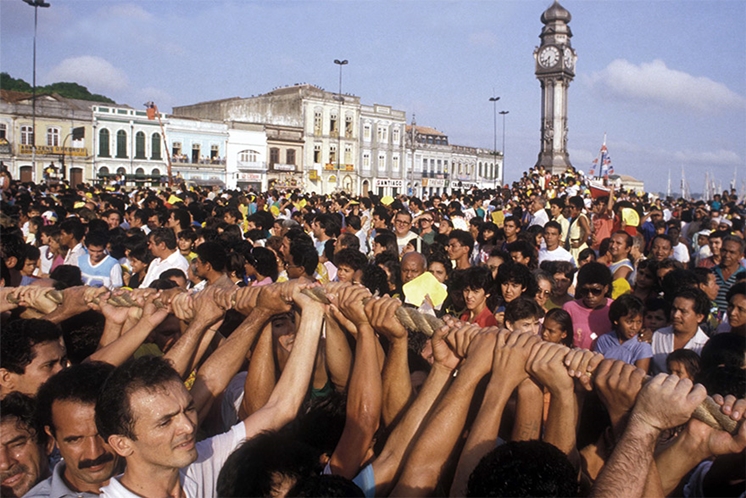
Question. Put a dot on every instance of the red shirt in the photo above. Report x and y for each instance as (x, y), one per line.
(483, 319)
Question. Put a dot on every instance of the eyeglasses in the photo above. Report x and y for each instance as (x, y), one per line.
(594, 291)
(402, 222)
(288, 266)
(544, 293)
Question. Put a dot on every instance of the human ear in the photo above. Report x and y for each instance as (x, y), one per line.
(121, 445)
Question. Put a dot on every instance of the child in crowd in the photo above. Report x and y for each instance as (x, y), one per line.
(523, 315)
(350, 264)
(590, 309)
(513, 280)
(685, 363)
(622, 343)
(139, 258)
(30, 265)
(557, 327)
(478, 287)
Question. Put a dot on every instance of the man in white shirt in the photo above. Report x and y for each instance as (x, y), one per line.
(402, 225)
(97, 268)
(72, 232)
(148, 417)
(162, 244)
(690, 308)
(539, 212)
(553, 251)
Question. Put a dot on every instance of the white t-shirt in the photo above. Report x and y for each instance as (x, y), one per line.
(158, 266)
(200, 478)
(663, 346)
(558, 254)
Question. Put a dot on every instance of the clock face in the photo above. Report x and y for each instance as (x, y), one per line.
(549, 56)
(569, 59)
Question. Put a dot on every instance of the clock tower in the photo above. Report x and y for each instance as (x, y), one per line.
(555, 69)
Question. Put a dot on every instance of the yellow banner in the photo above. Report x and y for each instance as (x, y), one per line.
(54, 150)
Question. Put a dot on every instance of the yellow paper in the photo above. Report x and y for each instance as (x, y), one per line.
(424, 285)
(630, 217)
(173, 199)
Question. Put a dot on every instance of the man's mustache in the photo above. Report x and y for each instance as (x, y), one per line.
(16, 469)
(105, 458)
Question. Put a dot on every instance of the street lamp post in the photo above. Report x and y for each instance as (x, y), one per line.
(340, 63)
(504, 113)
(35, 4)
(494, 122)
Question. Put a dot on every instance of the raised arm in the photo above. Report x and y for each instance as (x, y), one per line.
(262, 375)
(364, 393)
(508, 371)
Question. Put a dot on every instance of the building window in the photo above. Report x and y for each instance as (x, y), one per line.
(317, 120)
(333, 124)
(366, 160)
(214, 153)
(196, 153)
(383, 134)
(53, 137)
(333, 154)
(366, 132)
(348, 126)
(155, 147)
(274, 156)
(27, 133)
(3, 131)
(121, 143)
(176, 150)
(290, 156)
(103, 143)
(395, 136)
(140, 145)
(395, 162)
(248, 156)
(317, 154)
(348, 154)
(381, 162)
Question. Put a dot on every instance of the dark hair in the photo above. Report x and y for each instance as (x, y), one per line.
(701, 301)
(305, 255)
(479, 277)
(521, 308)
(387, 239)
(678, 279)
(66, 276)
(326, 485)
(74, 227)
(442, 258)
(328, 224)
(258, 463)
(662, 236)
(702, 274)
(165, 235)
(113, 409)
(576, 202)
(737, 288)
(348, 240)
(656, 303)
(516, 273)
(265, 262)
(463, 237)
(96, 239)
(723, 380)
(353, 221)
(564, 320)
(20, 337)
(724, 350)
(594, 273)
(212, 253)
(81, 383)
(523, 468)
(688, 358)
(625, 305)
(23, 408)
(141, 254)
(527, 250)
(553, 224)
(627, 237)
(350, 257)
(172, 272)
(374, 279)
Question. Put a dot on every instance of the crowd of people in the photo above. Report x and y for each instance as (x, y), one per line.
(204, 342)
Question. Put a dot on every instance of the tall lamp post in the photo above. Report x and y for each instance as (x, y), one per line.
(340, 63)
(504, 113)
(35, 4)
(494, 120)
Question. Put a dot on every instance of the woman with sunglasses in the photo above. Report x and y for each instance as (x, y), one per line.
(590, 309)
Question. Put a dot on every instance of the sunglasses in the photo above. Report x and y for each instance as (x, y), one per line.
(594, 291)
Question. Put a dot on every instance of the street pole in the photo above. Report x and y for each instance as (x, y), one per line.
(340, 63)
(35, 4)
(494, 119)
(504, 113)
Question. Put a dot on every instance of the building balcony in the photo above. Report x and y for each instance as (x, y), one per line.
(203, 161)
(252, 164)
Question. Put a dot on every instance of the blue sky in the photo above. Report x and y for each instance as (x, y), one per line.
(666, 80)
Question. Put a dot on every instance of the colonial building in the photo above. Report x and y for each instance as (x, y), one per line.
(246, 160)
(197, 150)
(60, 152)
(382, 167)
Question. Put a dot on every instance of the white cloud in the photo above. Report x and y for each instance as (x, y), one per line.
(714, 157)
(654, 83)
(483, 39)
(98, 74)
(126, 11)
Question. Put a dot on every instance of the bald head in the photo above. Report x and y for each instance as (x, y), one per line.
(413, 264)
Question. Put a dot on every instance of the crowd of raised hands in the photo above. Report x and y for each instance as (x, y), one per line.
(485, 390)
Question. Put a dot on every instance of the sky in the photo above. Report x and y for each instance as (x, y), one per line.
(665, 81)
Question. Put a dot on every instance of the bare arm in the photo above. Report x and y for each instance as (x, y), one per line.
(262, 375)
(338, 354)
(435, 445)
(364, 394)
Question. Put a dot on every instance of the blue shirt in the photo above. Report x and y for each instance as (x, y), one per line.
(629, 351)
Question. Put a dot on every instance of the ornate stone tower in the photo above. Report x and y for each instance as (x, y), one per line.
(555, 69)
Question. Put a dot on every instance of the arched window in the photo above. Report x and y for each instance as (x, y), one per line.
(103, 171)
(248, 156)
(121, 143)
(155, 147)
(121, 171)
(103, 143)
(140, 145)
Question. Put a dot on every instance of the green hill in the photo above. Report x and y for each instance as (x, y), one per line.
(67, 90)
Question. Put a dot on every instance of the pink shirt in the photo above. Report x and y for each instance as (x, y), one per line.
(588, 324)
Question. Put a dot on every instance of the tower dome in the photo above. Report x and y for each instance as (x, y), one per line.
(555, 12)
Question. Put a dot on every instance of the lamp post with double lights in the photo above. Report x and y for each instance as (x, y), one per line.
(35, 4)
(340, 63)
(504, 113)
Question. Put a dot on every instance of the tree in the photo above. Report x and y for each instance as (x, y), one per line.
(64, 89)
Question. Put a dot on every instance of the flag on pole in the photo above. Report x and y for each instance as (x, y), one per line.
(609, 166)
(604, 162)
(594, 165)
